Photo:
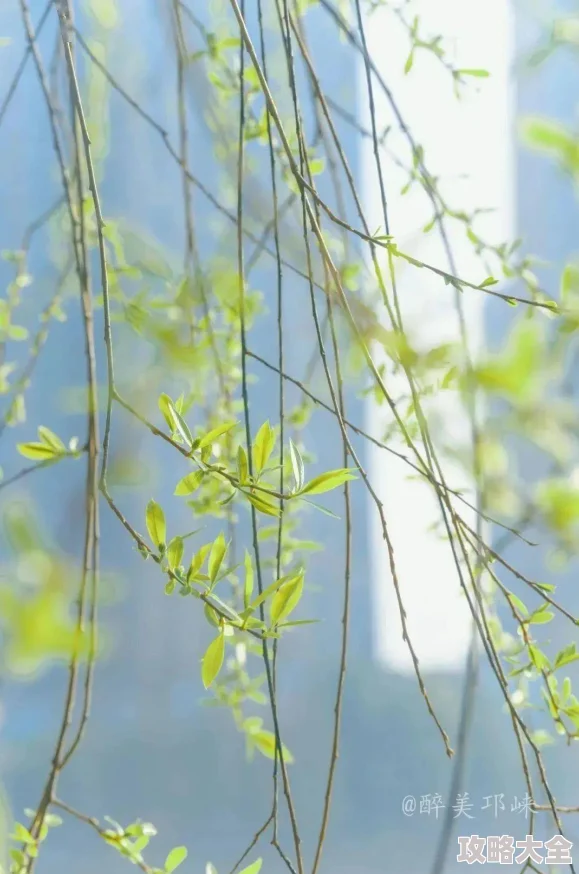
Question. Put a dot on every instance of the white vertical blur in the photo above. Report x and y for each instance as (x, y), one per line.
(468, 144)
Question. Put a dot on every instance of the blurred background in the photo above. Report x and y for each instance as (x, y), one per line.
(152, 749)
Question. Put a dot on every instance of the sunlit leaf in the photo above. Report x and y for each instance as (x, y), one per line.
(198, 559)
(175, 552)
(325, 482)
(212, 436)
(213, 660)
(297, 466)
(175, 858)
(180, 426)
(479, 74)
(254, 868)
(189, 483)
(156, 526)
(265, 742)
(286, 599)
(264, 503)
(263, 447)
(218, 551)
(242, 466)
(165, 408)
(37, 451)
(50, 438)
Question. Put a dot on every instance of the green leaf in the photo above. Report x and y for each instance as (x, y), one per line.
(549, 136)
(165, 404)
(566, 656)
(174, 859)
(317, 166)
(211, 615)
(296, 622)
(569, 282)
(516, 602)
(409, 62)
(479, 74)
(254, 868)
(212, 436)
(180, 426)
(297, 466)
(156, 526)
(264, 503)
(541, 616)
(189, 483)
(175, 552)
(265, 742)
(248, 587)
(50, 439)
(242, 466)
(37, 451)
(263, 447)
(197, 560)
(321, 509)
(538, 657)
(325, 482)
(213, 660)
(218, 551)
(490, 280)
(269, 590)
(286, 599)
(22, 834)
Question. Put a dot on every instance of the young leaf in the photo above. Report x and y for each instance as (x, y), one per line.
(174, 859)
(180, 426)
(296, 622)
(566, 656)
(242, 466)
(213, 660)
(269, 590)
(189, 483)
(263, 447)
(254, 868)
(197, 561)
(165, 403)
(216, 557)
(540, 618)
(156, 526)
(175, 552)
(479, 74)
(264, 503)
(297, 466)
(518, 604)
(211, 616)
(325, 482)
(50, 439)
(212, 436)
(286, 599)
(36, 451)
(265, 742)
(248, 587)
(321, 509)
